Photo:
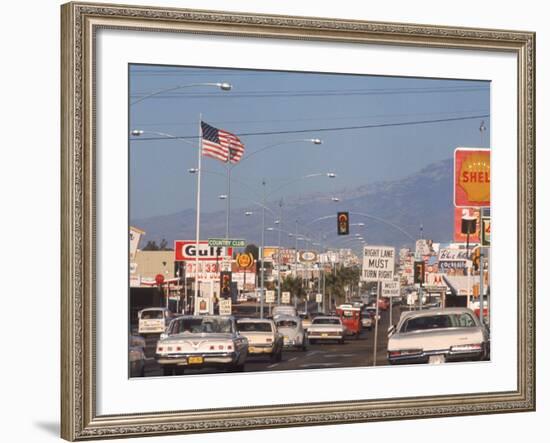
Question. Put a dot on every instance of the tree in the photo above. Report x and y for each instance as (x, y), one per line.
(151, 246)
(252, 249)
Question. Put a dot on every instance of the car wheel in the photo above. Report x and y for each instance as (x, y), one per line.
(167, 370)
(142, 372)
(304, 344)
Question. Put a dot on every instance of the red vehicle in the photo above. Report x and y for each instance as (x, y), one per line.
(351, 319)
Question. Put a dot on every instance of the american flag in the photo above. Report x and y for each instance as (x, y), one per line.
(220, 144)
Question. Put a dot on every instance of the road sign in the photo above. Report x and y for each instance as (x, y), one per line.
(319, 297)
(378, 263)
(227, 242)
(225, 307)
(270, 296)
(245, 261)
(391, 288)
(472, 177)
(486, 231)
(226, 264)
(285, 297)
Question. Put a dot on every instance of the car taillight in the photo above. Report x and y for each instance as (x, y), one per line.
(178, 348)
(269, 340)
(220, 347)
(160, 348)
(212, 347)
(229, 347)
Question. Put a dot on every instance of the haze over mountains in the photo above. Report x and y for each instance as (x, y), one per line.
(391, 210)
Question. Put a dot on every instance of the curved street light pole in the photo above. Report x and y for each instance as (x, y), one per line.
(223, 86)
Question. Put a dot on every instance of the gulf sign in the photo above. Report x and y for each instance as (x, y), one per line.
(472, 177)
(186, 250)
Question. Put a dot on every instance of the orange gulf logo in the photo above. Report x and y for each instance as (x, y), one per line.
(472, 185)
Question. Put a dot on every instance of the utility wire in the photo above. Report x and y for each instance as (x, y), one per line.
(342, 128)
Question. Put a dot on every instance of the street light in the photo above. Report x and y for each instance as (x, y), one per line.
(335, 199)
(224, 86)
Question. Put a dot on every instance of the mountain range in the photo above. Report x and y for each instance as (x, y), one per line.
(392, 211)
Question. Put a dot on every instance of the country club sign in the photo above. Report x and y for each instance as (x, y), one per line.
(472, 177)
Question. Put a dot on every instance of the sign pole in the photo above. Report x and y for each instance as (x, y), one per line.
(391, 310)
(376, 323)
(198, 219)
(481, 286)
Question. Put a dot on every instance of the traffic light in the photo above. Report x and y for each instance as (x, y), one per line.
(225, 284)
(475, 257)
(419, 272)
(343, 223)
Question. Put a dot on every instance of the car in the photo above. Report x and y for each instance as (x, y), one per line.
(326, 328)
(291, 328)
(154, 320)
(284, 310)
(437, 336)
(263, 337)
(136, 356)
(367, 321)
(370, 312)
(196, 342)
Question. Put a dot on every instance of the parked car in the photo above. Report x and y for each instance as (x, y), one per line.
(294, 335)
(326, 328)
(154, 320)
(136, 356)
(202, 341)
(263, 337)
(438, 336)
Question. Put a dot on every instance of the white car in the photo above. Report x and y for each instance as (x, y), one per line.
(201, 341)
(438, 336)
(284, 310)
(294, 335)
(154, 320)
(263, 337)
(326, 328)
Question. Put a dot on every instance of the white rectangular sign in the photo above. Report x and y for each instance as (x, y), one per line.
(285, 297)
(378, 263)
(225, 306)
(391, 288)
(319, 298)
(270, 296)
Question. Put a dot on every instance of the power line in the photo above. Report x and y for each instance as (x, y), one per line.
(342, 128)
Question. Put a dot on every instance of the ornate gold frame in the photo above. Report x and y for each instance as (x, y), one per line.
(79, 420)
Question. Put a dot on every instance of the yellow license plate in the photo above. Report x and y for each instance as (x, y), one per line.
(324, 335)
(252, 349)
(195, 360)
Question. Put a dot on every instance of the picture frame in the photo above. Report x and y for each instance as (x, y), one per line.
(80, 242)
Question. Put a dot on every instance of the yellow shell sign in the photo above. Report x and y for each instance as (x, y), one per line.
(472, 183)
(245, 261)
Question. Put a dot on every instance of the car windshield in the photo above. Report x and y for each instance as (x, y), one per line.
(441, 321)
(199, 325)
(152, 315)
(326, 321)
(254, 327)
(287, 324)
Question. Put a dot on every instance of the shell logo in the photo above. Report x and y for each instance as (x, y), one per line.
(472, 177)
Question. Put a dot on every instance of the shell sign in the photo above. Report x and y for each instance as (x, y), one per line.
(472, 178)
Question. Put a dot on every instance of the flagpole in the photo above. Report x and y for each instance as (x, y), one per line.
(228, 170)
(198, 221)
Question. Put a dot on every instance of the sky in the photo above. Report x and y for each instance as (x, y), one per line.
(373, 128)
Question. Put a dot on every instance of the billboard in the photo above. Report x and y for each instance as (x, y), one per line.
(459, 237)
(185, 250)
(472, 177)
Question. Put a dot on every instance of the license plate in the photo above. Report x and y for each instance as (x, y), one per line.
(324, 334)
(195, 360)
(253, 349)
(436, 359)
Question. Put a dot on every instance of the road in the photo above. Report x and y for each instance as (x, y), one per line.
(353, 353)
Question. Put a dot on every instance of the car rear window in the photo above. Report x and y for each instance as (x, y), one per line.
(287, 324)
(326, 321)
(254, 327)
(426, 322)
(152, 315)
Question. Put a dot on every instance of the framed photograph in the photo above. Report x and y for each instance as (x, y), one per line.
(273, 221)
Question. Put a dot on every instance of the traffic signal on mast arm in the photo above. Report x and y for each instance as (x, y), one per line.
(419, 271)
(343, 223)
(225, 284)
(475, 257)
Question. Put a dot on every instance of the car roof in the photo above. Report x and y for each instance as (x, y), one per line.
(153, 308)
(254, 320)
(287, 317)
